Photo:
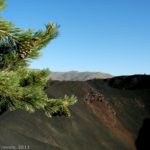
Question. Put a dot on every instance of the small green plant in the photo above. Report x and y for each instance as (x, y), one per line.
(20, 87)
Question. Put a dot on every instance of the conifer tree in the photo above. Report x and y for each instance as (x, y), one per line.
(21, 87)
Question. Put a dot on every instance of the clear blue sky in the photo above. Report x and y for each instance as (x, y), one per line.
(110, 36)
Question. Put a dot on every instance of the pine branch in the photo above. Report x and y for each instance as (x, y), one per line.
(2, 32)
(20, 87)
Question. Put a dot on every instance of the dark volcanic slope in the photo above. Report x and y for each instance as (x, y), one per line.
(108, 116)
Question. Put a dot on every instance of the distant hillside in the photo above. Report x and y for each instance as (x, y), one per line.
(78, 76)
(108, 116)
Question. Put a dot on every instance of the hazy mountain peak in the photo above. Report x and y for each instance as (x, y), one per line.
(78, 76)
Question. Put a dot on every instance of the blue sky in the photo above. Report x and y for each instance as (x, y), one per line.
(110, 36)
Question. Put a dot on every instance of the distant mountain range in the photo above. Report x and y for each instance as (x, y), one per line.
(78, 76)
